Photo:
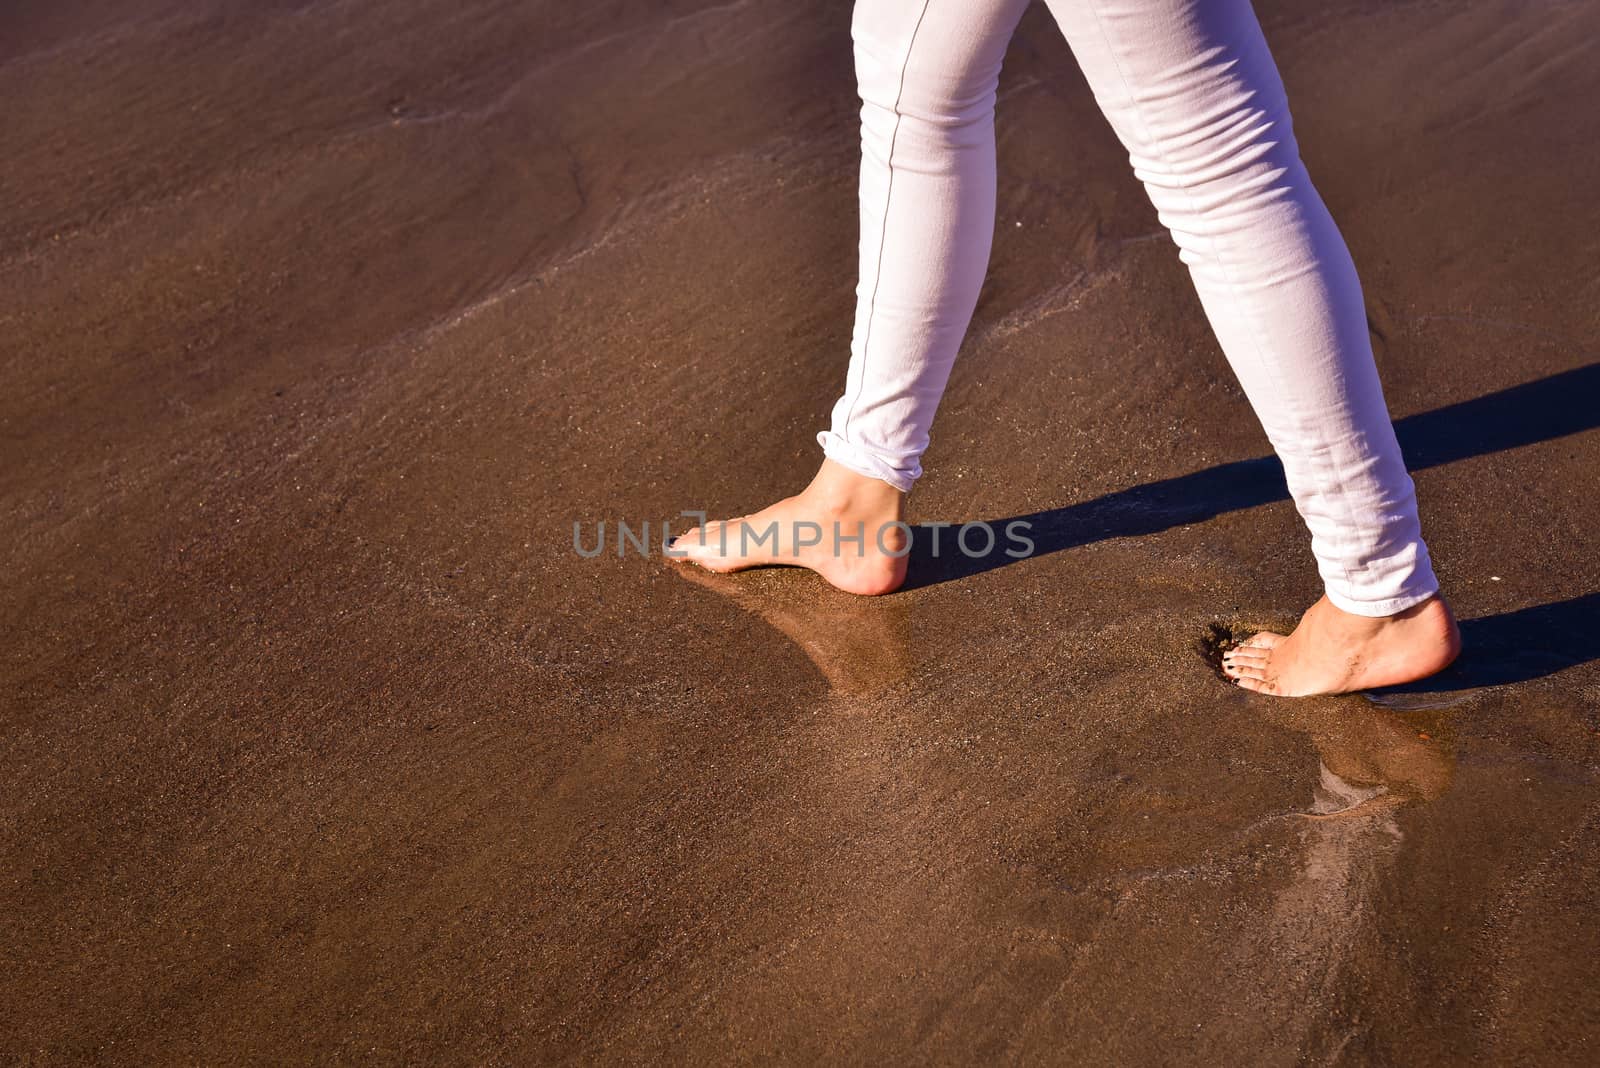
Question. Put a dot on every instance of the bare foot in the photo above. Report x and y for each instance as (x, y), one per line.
(1333, 651)
(843, 526)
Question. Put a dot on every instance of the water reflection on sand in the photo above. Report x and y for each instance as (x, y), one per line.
(1337, 841)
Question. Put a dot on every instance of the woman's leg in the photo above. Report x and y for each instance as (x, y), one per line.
(927, 71)
(1192, 92)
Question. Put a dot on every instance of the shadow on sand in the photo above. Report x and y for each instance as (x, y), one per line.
(1511, 647)
(1529, 643)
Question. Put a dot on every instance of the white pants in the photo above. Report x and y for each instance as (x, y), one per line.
(1192, 92)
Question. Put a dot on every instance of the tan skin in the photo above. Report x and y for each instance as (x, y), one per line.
(1330, 651)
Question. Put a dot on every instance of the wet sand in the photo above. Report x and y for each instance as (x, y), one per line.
(325, 322)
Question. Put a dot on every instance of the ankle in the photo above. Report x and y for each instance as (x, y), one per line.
(838, 491)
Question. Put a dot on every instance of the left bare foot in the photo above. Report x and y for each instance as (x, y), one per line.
(839, 508)
(1333, 651)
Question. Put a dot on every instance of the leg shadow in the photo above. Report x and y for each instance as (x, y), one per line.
(1549, 408)
(1529, 643)
(1511, 647)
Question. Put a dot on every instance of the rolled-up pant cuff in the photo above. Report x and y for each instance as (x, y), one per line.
(862, 462)
(1389, 606)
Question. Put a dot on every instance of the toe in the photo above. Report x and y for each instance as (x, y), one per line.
(1238, 660)
(1249, 671)
(692, 536)
(1232, 668)
(699, 546)
(1257, 685)
(1263, 639)
(687, 538)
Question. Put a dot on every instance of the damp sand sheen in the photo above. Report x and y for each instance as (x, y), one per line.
(325, 323)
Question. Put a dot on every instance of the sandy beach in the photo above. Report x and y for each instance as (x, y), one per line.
(325, 322)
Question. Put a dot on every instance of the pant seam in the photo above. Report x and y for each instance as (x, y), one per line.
(883, 230)
(1216, 245)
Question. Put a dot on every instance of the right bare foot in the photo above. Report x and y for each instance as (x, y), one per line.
(1334, 651)
(818, 529)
